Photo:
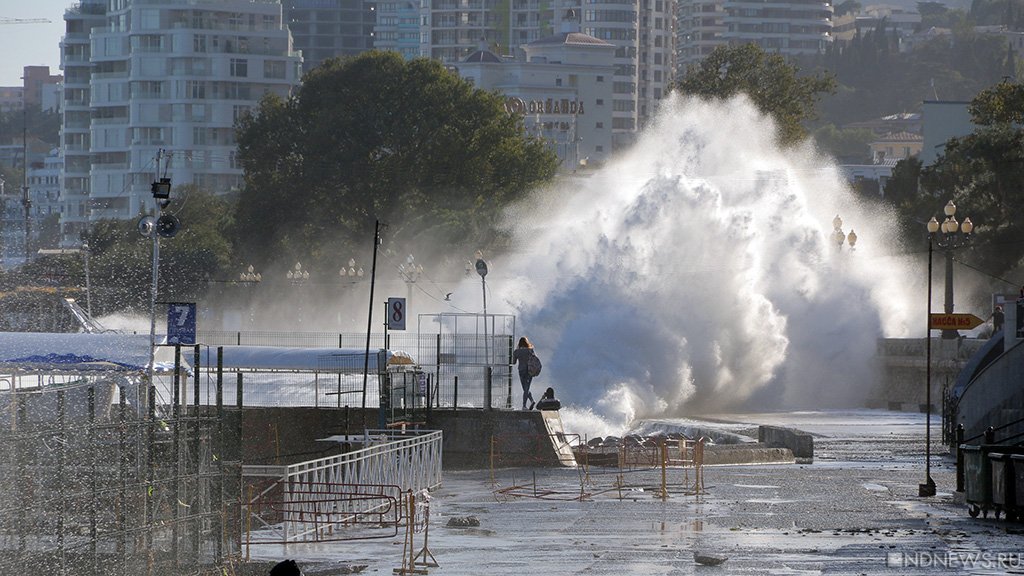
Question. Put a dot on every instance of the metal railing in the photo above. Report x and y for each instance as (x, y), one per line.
(349, 496)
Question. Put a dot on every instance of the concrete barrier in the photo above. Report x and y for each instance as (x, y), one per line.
(800, 443)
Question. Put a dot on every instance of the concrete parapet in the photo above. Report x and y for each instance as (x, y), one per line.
(800, 443)
(720, 454)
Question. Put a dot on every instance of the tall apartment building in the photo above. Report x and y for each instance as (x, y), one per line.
(701, 26)
(323, 29)
(787, 27)
(642, 31)
(153, 89)
(398, 27)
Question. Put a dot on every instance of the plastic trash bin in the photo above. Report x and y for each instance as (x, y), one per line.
(1002, 483)
(1017, 471)
(977, 482)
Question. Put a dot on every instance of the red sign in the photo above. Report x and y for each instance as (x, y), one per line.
(953, 321)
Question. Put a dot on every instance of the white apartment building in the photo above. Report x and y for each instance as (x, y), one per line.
(642, 31)
(700, 27)
(787, 27)
(158, 86)
(562, 86)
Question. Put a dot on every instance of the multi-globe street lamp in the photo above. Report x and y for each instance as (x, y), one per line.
(410, 273)
(948, 236)
(839, 237)
(297, 277)
(250, 278)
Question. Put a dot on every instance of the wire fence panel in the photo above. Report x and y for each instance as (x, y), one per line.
(88, 485)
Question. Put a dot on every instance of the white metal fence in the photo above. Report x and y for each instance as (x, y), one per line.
(349, 496)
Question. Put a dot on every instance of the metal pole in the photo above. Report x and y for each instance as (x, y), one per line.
(369, 315)
(928, 488)
(88, 291)
(949, 334)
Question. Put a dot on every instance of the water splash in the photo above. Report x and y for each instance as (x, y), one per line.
(697, 273)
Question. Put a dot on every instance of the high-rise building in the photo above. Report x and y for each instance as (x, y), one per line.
(154, 90)
(642, 31)
(701, 24)
(398, 27)
(787, 27)
(325, 29)
(76, 116)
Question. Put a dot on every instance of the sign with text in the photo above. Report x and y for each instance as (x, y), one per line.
(396, 313)
(953, 321)
(181, 323)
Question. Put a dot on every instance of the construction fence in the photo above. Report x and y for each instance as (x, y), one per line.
(97, 478)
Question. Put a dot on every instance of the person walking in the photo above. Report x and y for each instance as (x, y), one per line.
(997, 319)
(521, 357)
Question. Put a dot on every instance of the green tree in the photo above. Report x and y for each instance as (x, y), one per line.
(377, 137)
(1000, 104)
(201, 251)
(774, 85)
(984, 172)
(848, 145)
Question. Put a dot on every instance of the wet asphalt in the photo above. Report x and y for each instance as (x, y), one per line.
(854, 510)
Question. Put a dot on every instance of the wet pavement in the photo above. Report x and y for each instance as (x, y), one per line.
(855, 510)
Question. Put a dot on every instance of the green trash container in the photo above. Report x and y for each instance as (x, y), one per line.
(1017, 472)
(1002, 483)
(977, 482)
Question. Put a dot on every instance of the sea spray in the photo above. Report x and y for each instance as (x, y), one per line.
(697, 272)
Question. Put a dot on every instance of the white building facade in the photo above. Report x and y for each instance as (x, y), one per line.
(563, 89)
(642, 32)
(166, 82)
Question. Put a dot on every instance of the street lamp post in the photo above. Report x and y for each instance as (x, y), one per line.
(481, 269)
(410, 273)
(297, 277)
(839, 237)
(954, 235)
(249, 278)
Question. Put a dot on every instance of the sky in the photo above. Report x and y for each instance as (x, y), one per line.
(30, 44)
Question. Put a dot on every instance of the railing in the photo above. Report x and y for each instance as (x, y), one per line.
(349, 496)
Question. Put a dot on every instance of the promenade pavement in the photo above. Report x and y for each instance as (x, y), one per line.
(855, 510)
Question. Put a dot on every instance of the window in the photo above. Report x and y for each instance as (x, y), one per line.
(599, 125)
(600, 78)
(239, 67)
(600, 102)
(199, 43)
(273, 69)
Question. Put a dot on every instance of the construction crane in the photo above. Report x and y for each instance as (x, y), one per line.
(5, 20)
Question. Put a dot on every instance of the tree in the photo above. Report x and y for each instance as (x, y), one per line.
(772, 84)
(985, 171)
(1000, 104)
(377, 137)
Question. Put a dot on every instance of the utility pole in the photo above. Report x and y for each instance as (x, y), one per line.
(26, 201)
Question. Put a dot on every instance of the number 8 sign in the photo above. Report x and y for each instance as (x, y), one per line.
(396, 313)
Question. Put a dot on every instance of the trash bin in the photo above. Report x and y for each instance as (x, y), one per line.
(1017, 472)
(1002, 483)
(977, 482)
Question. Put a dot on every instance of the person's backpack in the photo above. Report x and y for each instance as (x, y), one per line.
(533, 365)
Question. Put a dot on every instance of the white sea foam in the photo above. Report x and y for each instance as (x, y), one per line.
(697, 273)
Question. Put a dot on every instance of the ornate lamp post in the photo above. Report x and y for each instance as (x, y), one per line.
(297, 277)
(351, 271)
(839, 237)
(953, 235)
(949, 236)
(250, 277)
(410, 273)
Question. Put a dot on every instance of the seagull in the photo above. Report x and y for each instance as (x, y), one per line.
(448, 296)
